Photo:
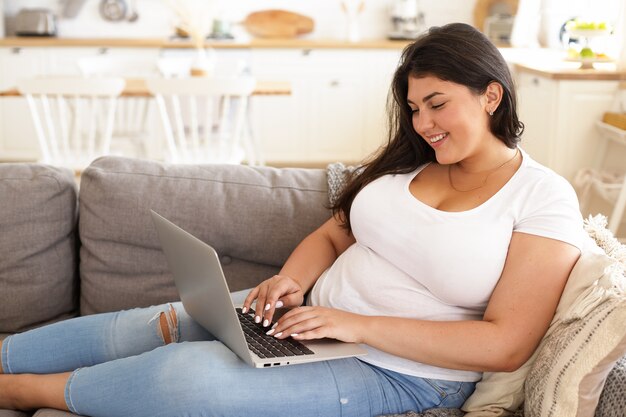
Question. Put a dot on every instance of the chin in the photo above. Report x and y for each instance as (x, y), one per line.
(443, 159)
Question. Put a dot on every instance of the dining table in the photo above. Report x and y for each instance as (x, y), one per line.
(137, 87)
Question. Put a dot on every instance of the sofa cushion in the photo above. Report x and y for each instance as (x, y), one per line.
(38, 266)
(253, 216)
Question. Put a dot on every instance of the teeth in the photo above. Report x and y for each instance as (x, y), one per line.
(437, 138)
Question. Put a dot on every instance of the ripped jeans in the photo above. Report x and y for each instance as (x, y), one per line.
(122, 367)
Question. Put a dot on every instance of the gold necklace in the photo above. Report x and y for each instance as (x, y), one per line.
(486, 176)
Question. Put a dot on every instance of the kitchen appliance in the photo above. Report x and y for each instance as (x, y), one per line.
(35, 22)
(498, 28)
(113, 10)
(407, 20)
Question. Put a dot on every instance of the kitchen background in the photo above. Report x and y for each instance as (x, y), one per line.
(339, 80)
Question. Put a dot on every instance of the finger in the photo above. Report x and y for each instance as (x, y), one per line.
(249, 299)
(260, 304)
(318, 333)
(297, 320)
(274, 300)
(292, 300)
(313, 326)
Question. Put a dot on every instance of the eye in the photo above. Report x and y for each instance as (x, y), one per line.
(415, 111)
(437, 106)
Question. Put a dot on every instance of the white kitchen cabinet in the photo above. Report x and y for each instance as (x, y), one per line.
(337, 108)
(17, 133)
(559, 117)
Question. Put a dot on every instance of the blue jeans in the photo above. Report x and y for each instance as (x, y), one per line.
(122, 368)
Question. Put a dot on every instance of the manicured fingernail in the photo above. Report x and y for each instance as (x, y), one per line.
(269, 332)
(244, 310)
(279, 304)
(267, 306)
(257, 319)
(294, 334)
(266, 323)
(278, 334)
(274, 325)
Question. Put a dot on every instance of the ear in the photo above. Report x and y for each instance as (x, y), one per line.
(493, 97)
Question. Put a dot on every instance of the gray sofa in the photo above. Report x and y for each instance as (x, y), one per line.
(66, 253)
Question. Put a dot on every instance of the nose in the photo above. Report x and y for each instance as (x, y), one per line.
(422, 122)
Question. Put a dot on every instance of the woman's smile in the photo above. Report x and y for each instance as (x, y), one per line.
(437, 138)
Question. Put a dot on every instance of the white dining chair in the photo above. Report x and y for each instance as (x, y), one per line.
(204, 118)
(73, 117)
(131, 129)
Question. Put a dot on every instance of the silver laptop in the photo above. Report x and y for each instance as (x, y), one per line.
(205, 295)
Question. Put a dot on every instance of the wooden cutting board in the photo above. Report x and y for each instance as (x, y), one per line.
(278, 24)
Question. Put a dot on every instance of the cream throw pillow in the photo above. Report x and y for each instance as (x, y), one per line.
(595, 278)
(574, 361)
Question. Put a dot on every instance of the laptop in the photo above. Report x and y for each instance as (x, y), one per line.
(204, 292)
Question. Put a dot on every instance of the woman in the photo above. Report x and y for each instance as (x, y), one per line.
(446, 257)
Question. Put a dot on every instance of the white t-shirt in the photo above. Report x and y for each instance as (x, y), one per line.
(412, 260)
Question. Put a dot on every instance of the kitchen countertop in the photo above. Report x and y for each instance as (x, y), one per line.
(542, 62)
(600, 72)
(18, 42)
(551, 64)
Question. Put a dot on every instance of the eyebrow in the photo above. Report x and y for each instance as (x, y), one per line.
(428, 97)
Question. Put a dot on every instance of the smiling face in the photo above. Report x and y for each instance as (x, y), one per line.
(451, 118)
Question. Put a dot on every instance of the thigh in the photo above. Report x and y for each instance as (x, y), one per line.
(215, 382)
(207, 379)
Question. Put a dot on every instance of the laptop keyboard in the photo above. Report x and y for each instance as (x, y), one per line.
(265, 346)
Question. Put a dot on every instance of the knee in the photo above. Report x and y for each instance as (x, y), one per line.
(167, 326)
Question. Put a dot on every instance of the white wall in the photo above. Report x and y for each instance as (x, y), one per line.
(157, 20)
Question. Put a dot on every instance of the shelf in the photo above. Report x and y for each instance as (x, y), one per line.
(613, 133)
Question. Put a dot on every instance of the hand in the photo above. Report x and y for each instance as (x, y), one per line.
(276, 292)
(306, 323)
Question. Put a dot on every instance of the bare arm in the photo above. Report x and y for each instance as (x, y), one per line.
(303, 267)
(517, 316)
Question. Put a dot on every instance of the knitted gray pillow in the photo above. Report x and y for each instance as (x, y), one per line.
(613, 398)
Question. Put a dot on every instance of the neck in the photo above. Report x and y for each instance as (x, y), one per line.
(487, 161)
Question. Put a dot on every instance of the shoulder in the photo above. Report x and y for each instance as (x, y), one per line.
(547, 204)
(539, 182)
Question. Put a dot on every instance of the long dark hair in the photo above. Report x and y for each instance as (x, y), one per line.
(458, 53)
